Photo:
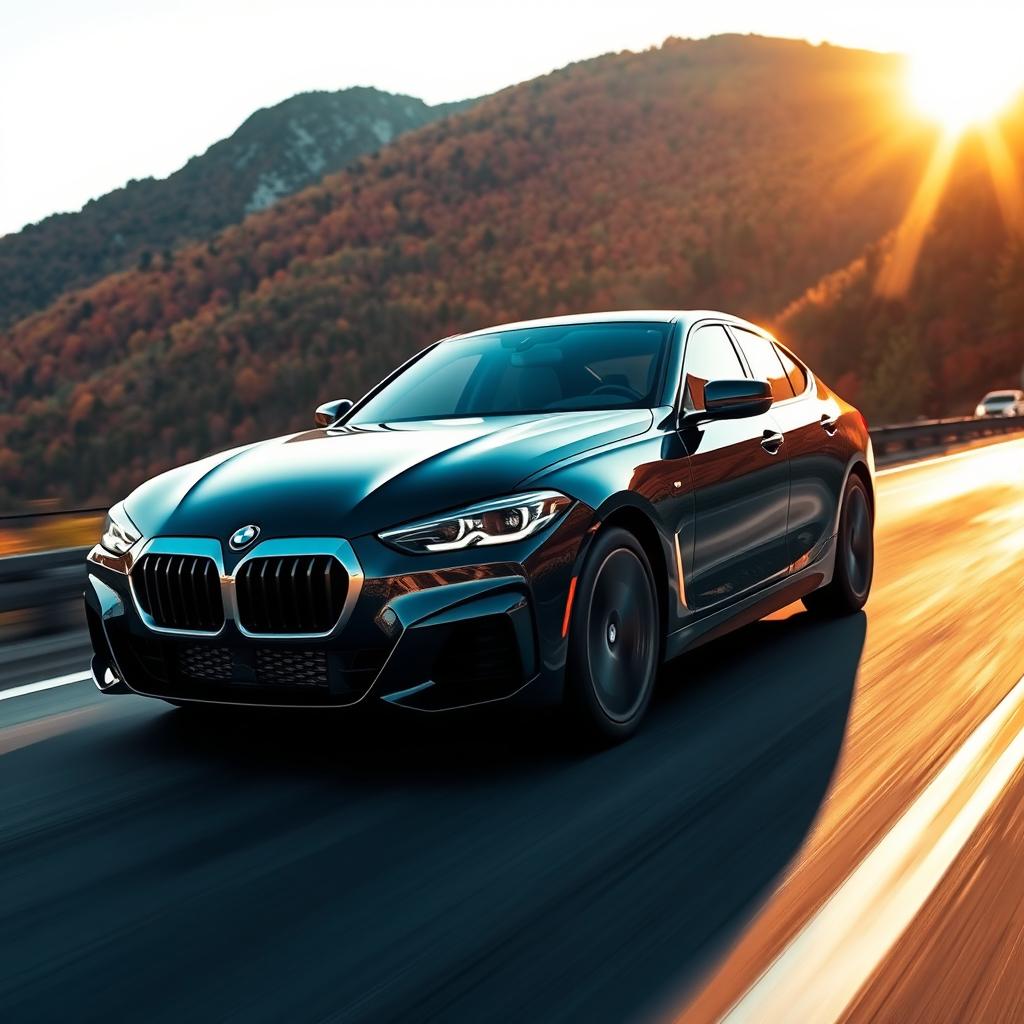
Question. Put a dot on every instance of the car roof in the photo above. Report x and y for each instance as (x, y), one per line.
(1005, 393)
(660, 316)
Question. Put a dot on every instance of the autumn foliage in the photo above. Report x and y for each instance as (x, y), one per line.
(957, 330)
(735, 172)
(276, 152)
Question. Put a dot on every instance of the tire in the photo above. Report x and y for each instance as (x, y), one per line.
(614, 640)
(855, 557)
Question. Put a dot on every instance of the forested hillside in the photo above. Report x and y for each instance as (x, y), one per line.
(732, 172)
(276, 152)
(957, 329)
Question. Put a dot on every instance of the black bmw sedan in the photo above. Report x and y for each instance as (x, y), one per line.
(534, 513)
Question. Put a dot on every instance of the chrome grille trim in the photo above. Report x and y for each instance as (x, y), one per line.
(196, 547)
(180, 591)
(290, 547)
(300, 593)
(332, 547)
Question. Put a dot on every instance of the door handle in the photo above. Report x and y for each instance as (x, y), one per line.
(772, 442)
(830, 424)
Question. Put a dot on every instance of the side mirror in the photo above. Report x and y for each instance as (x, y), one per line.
(735, 399)
(331, 412)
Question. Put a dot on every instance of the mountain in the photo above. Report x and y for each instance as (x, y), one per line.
(953, 328)
(733, 172)
(276, 152)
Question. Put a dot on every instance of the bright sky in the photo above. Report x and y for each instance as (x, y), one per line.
(96, 93)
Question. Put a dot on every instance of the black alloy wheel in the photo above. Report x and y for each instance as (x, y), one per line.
(614, 639)
(855, 557)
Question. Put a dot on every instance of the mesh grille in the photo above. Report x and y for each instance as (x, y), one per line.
(294, 668)
(264, 667)
(206, 662)
(180, 591)
(279, 674)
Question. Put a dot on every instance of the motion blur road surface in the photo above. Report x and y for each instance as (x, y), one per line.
(159, 865)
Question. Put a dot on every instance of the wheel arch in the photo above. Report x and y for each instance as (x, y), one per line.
(638, 523)
(859, 469)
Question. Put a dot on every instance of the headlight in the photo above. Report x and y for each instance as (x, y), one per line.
(979, 411)
(500, 521)
(119, 532)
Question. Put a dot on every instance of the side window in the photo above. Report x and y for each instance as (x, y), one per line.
(709, 356)
(764, 363)
(794, 371)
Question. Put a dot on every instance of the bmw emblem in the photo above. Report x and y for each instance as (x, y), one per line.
(243, 537)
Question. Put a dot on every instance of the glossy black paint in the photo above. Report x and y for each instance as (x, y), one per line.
(734, 399)
(737, 514)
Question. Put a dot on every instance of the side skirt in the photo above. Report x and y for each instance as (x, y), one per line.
(753, 606)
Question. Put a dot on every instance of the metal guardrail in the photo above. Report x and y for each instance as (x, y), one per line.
(905, 438)
(42, 581)
(48, 578)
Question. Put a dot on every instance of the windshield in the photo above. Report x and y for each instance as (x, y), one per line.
(999, 398)
(530, 370)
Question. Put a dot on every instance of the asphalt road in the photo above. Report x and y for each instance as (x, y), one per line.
(158, 867)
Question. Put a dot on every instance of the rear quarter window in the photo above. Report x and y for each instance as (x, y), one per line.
(794, 371)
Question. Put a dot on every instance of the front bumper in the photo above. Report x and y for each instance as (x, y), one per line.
(426, 633)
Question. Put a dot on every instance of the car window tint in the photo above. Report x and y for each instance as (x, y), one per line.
(709, 356)
(764, 363)
(794, 371)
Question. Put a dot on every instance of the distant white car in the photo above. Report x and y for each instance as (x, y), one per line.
(1001, 403)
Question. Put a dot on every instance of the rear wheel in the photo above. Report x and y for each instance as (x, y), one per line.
(614, 639)
(855, 557)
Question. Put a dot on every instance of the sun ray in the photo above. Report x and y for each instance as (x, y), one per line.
(898, 269)
(1006, 178)
(872, 155)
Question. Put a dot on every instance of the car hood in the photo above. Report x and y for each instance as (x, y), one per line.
(359, 479)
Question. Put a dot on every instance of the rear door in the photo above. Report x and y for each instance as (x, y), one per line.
(817, 464)
(740, 477)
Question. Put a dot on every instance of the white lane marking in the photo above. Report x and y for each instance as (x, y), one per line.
(922, 463)
(46, 684)
(824, 966)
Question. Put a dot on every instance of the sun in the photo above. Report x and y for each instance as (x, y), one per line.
(964, 78)
(967, 78)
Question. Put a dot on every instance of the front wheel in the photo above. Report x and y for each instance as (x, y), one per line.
(855, 557)
(614, 639)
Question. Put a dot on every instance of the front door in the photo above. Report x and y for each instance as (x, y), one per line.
(740, 475)
(817, 466)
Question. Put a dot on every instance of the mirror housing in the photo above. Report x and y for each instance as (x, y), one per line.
(735, 399)
(331, 412)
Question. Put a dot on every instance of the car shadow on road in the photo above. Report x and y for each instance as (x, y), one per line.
(698, 815)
